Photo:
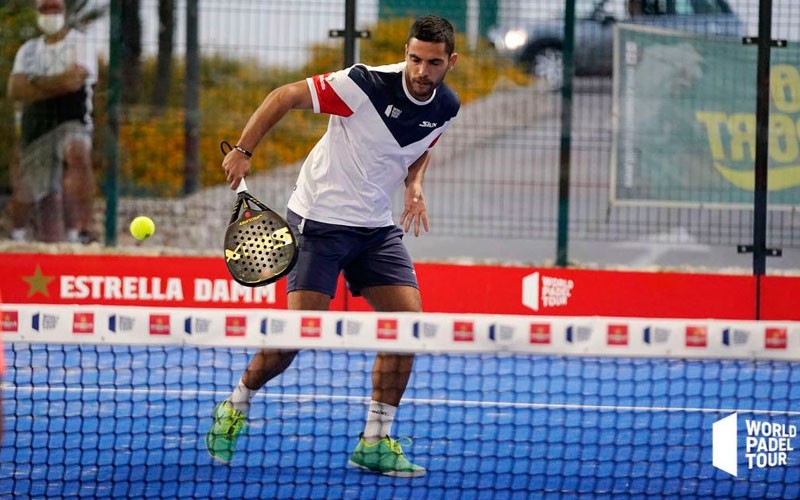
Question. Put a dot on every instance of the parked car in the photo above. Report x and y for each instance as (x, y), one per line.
(538, 46)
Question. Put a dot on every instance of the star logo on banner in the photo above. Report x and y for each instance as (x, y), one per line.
(38, 283)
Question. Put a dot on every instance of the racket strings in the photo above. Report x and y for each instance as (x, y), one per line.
(262, 249)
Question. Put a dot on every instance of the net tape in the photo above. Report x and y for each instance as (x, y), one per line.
(403, 332)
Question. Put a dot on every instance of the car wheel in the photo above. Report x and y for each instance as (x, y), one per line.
(548, 65)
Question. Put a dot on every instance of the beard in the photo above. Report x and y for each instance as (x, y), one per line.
(422, 87)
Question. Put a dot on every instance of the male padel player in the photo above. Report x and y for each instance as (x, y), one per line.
(383, 122)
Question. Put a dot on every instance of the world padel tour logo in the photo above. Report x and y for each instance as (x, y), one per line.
(767, 444)
(42, 322)
(499, 332)
(273, 326)
(119, 323)
(196, 325)
(655, 335)
(425, 330)
(546, 291)
(349, 327)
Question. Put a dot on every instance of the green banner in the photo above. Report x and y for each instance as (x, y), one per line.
(685, 120)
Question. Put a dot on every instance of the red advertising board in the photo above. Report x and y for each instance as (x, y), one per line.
(779, 297)
(130, 280)
(580, 292)
(203, 282)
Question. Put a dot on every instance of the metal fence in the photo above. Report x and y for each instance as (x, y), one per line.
(495, 175)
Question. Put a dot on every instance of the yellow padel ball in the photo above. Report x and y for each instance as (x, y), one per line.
(142, 227)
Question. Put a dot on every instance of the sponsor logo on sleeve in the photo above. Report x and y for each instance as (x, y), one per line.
(10, 321)
(696, 336)
(322, 78)
(311, 327)
(83, 323)
(159, 324)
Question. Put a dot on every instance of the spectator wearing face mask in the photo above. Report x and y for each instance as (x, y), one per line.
(52, 80)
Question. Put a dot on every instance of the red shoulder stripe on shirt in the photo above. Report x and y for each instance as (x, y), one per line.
(329, 100)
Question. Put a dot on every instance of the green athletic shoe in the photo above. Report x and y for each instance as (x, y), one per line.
(221, 439)
(386, 457)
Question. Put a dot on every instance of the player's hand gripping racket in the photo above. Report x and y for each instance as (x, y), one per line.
(260, 247)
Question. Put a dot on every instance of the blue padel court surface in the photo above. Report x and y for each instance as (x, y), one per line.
(84, 421)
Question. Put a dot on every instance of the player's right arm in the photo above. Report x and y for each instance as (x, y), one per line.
(290, 96)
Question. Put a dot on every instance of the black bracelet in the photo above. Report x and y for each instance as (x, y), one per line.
(243, 151)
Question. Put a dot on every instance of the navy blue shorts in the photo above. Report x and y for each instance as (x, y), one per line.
(368, 256)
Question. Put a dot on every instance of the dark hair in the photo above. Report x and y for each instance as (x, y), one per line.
(434, 29)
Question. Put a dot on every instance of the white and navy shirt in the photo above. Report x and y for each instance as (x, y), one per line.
(376, 131)
(37, 58)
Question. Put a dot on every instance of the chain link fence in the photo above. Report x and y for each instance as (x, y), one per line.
(495, 174)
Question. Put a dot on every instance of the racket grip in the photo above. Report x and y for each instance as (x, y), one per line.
(242, 186)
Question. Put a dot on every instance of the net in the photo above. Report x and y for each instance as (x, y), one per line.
(497, 406)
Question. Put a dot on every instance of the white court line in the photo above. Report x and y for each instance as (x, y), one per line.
(186, 394)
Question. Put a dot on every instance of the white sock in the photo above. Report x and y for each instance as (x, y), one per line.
(241, 396)
(18, 234)
(72, 236)
(380, 418)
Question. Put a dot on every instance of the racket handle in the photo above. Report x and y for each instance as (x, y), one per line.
(242, 186)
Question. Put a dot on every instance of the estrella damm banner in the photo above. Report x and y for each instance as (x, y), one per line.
(685, 132)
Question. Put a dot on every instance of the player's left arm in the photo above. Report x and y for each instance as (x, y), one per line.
(415, 212)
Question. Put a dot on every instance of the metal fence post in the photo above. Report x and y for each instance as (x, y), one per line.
(191, 180)
(112, 133)
(566, 135)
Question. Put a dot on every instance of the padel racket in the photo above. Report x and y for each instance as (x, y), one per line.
(260, 247)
